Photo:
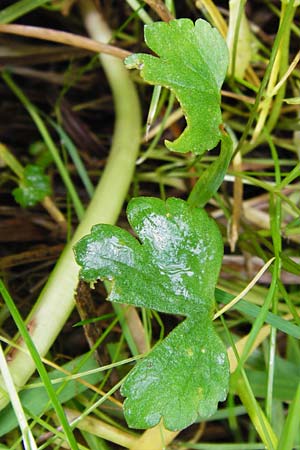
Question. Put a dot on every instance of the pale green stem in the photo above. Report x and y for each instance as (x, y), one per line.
(11, 161)
(258, 419)
(57, 298)
(102, 429)
(139, 9)
(28, 439)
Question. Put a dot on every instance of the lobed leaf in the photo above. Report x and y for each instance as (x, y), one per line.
(173, 268)
(182, 379)
(192, 61)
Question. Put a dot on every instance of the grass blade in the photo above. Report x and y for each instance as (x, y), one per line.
(253, 311)
(28, 439)
(291, 427)
(18, 9)
(48, 141)
(39, 365)
(73, 152)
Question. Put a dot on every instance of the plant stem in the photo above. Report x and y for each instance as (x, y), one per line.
(11, 161)
(101, 429)
(57, 298)
(286, 19)
(62, 37)
(258, 418)
(28, 439)
(24, 332)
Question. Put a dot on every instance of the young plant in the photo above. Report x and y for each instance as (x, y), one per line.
(174, 266)
(103, 208)
(34, 186)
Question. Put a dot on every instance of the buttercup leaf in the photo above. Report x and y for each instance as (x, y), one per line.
(182, 379)
(173, 268)
(33, 188)
(192, 61)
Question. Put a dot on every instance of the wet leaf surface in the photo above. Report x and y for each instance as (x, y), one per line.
(192, 62)
(33, 188)
(173, 269)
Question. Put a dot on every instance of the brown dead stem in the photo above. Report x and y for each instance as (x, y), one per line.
(62, 37)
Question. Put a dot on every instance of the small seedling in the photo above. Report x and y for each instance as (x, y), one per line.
(174, 266)
(34, 186)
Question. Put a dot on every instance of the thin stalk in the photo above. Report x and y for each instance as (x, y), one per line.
(139, 10)
(74, 154)
(24, 332)
(259, 420)
(292, 175)
(241, 385)
(266, 104)
(161, 10)
(289, 12)
(215, 15)
(275, 217)
(268, 110)
(28, 439)
(152, 109)
(289, 432)
(241, 9)
(11, 161)
(56, 300)
(261, 317)
(257, 416)
(48, 141)
(62, 37)
(101, 429)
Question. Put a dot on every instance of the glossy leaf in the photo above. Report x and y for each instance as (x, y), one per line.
(182, 379)
(210, 180)
(33, 187)
(173, 269)
(192, 61)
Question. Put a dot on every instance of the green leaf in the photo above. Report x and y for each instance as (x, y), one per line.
(173, 269)
(33, 187)
(210, 181)
(181, 380)
(192, 62)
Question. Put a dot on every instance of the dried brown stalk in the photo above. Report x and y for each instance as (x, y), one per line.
(62, 37)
